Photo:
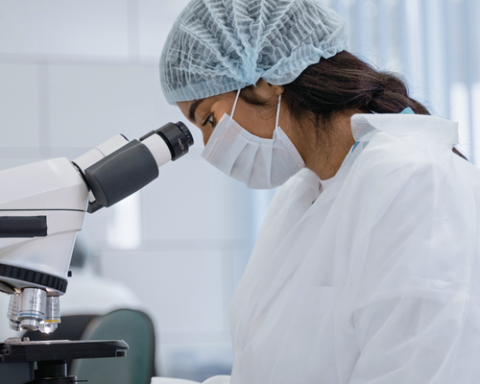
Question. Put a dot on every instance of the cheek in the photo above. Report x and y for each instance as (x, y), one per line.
(206, 133)
(222, 107)
(258, 122)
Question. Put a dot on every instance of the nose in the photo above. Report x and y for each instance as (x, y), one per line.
(206, 137)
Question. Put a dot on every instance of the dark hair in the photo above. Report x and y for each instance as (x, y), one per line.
(343, 82)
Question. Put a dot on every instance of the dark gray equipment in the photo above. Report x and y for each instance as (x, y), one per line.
(40, 362)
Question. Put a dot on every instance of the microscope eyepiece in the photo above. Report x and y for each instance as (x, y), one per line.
(186, 132)
(177, 137)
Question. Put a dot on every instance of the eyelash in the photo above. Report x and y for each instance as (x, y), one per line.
(210, 119)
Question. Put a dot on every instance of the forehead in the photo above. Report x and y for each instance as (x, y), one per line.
(189, 108)
(185, 107)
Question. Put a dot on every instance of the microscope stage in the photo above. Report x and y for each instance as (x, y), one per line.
(23, 362)
(15, 350)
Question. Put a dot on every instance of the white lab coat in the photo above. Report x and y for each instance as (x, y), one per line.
(376, 278)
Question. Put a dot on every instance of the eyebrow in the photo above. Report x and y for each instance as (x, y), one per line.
(193, 108)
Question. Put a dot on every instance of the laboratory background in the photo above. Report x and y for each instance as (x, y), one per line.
(75, 73)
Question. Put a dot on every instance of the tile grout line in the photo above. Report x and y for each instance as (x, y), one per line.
(133, 30)
(43, 101)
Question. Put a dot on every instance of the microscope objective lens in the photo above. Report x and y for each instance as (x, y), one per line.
(32, 308)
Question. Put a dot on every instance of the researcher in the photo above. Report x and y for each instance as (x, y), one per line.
(366, 269)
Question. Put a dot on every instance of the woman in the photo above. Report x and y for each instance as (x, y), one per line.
(366, 269)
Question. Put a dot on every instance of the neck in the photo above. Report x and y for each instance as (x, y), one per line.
(324, 153)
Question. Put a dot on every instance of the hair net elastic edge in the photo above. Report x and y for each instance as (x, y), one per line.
(190, 93)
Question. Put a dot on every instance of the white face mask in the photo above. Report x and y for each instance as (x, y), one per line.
(259, 163)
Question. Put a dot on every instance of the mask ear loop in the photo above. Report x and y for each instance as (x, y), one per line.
(235, 104)
(278, 110)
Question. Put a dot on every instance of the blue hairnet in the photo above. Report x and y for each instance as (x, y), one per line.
(218, 46)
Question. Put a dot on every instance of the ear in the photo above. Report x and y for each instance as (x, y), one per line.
(267, 91)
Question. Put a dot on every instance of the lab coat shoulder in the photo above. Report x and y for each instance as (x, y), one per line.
(412, 260)
(414, 169)
(415, 200)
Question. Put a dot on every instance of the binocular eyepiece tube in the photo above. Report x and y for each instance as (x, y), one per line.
(118, 168)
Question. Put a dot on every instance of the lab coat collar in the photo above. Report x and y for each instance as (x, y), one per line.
(444, 131)
(311, 179)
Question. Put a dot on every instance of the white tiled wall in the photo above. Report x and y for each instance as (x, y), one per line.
(90, 103)
(72, 74)
(152, 33)
(19, 105)
(66, 28)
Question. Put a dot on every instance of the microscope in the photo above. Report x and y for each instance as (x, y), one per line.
(42, 207)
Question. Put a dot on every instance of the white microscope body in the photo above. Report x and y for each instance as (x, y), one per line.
(42, 207)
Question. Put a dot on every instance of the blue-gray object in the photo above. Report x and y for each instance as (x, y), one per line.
(137, 367)
(218, 46)
(408, 111)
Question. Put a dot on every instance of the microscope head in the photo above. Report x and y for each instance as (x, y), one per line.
(42, 207)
